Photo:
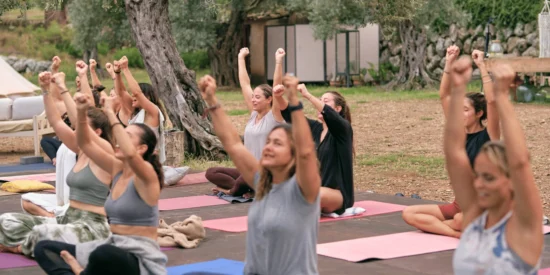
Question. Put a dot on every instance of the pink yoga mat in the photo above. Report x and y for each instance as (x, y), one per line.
(545, 271)
(191, 179)
(9, 260)
(38, 177)
(387, 246)
(189, 202)
(239, 224)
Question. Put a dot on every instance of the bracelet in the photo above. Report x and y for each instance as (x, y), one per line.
(447, 72)
(296, 107)
(487, 81)
(210, 109)
(45, 92)
(279, 63)
(115, 124)
(66, 91)
(485, 76)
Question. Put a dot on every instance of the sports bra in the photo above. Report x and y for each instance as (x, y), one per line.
(129, 208)
(85, 187)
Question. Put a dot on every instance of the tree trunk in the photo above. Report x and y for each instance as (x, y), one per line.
(412, 72)
(175, 83)
(223, 54)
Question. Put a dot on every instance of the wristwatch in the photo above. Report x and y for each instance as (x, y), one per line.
(295, 108)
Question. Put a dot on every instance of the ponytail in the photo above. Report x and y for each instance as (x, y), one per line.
(153, 159)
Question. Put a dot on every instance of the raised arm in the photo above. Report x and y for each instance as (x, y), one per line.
(337, 125)
(56, 63)
(93, 73)
(527, 204)
(82, 70)
(493, 125)
(120, 89)
(277, 80)
(150, 108)
(445, 86)
(307, 167)
(245, 162)
(279, 100)
(85, 136)
(244, 80)
(454, 142)
(64, 132)
(59, 82)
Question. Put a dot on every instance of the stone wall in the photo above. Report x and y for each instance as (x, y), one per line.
(523, 40)
(25, 65)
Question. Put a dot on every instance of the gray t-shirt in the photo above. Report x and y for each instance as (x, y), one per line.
(282, 232)
(255, 134)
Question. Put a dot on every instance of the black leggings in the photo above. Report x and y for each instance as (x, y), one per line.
(50, 146)
(104, 260)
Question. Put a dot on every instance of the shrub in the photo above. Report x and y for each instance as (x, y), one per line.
(505, 12)
(48, 51)
(103, 48)
(134, 57)
(196, 60)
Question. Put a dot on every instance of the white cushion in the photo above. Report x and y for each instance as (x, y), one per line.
(5, 109)
(27, 107)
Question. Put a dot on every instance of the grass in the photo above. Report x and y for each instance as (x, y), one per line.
(34, 14)
(202, 164)
(237, 112)
(399, 162)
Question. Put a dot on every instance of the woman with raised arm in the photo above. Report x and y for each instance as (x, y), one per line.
(50, 205)
(260, 104)
(85, 219)
(502, 220)
(283, 219)
(97, 88)
(145, 104)
(333, 137)
(445, 219)
(132, 205)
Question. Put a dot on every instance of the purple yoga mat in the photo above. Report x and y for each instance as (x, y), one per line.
(9, 260)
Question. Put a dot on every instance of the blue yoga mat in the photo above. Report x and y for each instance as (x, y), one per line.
(26, 167)
(215, 267)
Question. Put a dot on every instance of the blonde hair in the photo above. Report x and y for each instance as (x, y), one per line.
(266, 178)
(496, 152)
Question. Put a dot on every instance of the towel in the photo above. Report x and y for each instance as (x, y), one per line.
(186, 234)
(233, 199)
(352, 211)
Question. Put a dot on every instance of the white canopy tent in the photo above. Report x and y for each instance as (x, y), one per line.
(12, 84)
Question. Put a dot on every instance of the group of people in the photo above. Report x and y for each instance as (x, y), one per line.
(295, 168)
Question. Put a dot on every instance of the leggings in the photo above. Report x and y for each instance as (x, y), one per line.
(50, 146)
(105, 260)
(228, 178)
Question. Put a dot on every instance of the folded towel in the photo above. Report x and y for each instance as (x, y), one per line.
(233, 199)
(186, 234)
(352, 211)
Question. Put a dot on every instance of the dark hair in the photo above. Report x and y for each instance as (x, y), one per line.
(150, 93)
(149, 138)
(339, 100)
(479, 103)
(266, 178)
(99, 120)
(268, 91)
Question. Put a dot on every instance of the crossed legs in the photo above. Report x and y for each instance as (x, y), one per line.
(432, 219)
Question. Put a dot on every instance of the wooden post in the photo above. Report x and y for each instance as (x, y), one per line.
(175, 148)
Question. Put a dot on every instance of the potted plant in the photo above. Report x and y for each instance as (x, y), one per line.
(357, 80)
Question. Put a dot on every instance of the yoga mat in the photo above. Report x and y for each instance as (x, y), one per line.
(9, 260)
(239, 224)
(189, 202)
(189, 179)
(215, 267)
(39, 177)
(167, 248)
(545, 271)
(387, 246)
(26, 167)
(371, 208)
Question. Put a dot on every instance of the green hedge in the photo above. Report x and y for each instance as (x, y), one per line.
(196, 60)
(133, 55)
(507, 13)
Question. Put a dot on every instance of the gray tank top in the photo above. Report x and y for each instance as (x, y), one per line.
(130, 209)
(282, 232)
(485, 251)
(85, 187)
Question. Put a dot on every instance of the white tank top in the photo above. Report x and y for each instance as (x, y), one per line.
(485, 251)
